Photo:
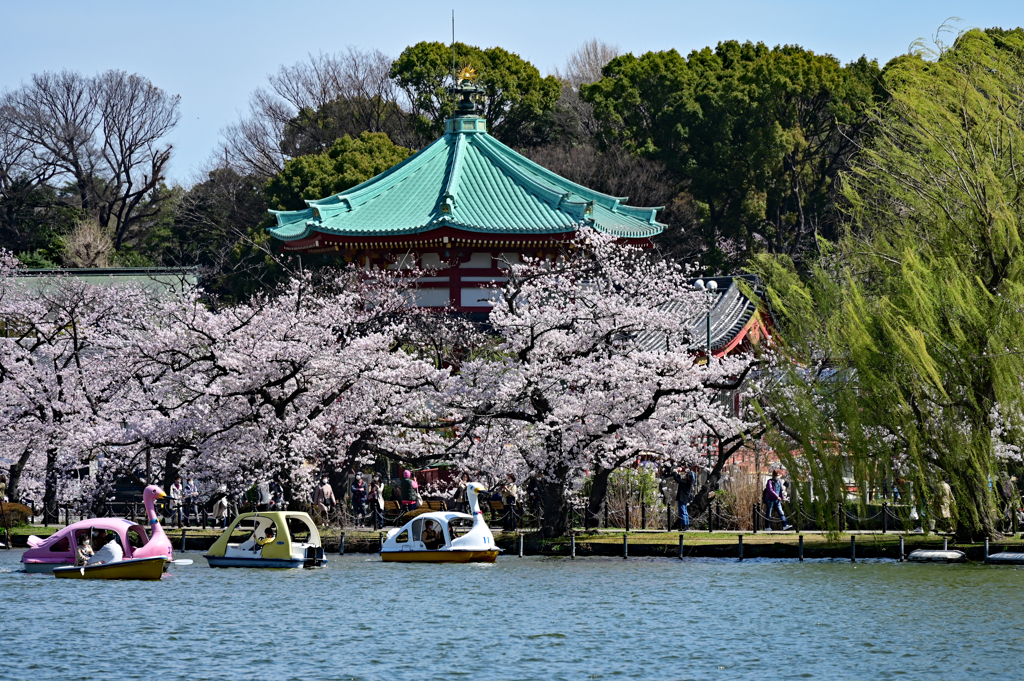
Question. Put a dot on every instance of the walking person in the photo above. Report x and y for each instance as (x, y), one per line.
(511, 500)
(459, 497)
(276, 496)
(264, 498)
(376, 497)
(323, 499)
(221, 506)
(773, 498)
(191, 496)
(358, 497)
(410, 492)
(686, 480)
(177, 493)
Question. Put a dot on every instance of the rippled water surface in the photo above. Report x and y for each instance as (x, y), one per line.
(522, 618)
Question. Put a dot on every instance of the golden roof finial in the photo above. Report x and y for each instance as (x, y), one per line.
(467, 73)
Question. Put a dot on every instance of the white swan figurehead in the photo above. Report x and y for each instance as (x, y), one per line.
(474, 490)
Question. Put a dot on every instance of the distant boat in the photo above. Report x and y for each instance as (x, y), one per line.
(456, 537)
(57, 550)
(937, 556)
(277, 539)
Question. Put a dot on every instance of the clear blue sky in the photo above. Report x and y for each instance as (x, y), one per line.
(214, 53)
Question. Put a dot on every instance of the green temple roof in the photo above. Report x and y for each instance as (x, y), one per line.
(470, 181)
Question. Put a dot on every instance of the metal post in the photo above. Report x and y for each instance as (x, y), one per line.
(380, 538)
(853, 548)
(184, 533)
(572, 546)
(986, 548)
(711, 517)
(756, 519)
(7, 525)
(945, 543)
(625, 546)
(668, 510)
(627, 510)
(643, 514)
(520, 546)
(606, 513)
(901, 549)
(681, 546)
(800, 551)
(740, 538)
(885, 517)
(206, 518)
(341, 544)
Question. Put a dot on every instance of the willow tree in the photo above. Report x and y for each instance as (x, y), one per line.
(908, 336)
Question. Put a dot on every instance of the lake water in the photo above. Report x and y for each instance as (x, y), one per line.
(521, 618)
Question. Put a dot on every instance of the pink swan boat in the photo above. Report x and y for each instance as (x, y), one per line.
(57, 550)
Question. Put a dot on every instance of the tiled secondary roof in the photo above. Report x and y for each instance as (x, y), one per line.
(470, 181)
(730, 315)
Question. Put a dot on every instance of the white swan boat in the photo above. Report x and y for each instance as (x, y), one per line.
(443, 536)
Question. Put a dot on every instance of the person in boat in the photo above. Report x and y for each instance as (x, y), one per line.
(432, 537)
(111, 552)
(84, 551)
(269, 535)
(98, 539)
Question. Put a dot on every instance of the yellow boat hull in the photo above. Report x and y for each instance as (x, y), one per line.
(138, 568)
(439, 556)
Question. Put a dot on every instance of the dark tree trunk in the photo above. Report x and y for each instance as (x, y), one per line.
(553, 503)
(50, 511)
(598, 496)
(703, 497)
(14, 484)
(172, 462)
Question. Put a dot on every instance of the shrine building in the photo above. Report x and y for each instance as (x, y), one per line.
(466, 206)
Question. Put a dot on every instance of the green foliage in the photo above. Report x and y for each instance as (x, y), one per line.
(33, 220)
(36, 260)
(347, 163)
(758, 135)
(517, 99)
(907, 336)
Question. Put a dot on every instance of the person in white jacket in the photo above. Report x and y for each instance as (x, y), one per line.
(110, 553)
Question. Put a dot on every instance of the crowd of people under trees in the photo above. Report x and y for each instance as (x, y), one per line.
(880, 207)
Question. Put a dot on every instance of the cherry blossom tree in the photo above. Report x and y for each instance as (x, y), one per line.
(62, 392)
(595, 366)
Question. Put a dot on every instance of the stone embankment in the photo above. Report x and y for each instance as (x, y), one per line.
(642, 544)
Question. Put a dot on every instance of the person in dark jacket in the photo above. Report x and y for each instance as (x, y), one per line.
(410, 495)
(358, 496)
(773, 498)
(686, 480)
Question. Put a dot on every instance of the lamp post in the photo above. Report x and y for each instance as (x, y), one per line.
(709, 290)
